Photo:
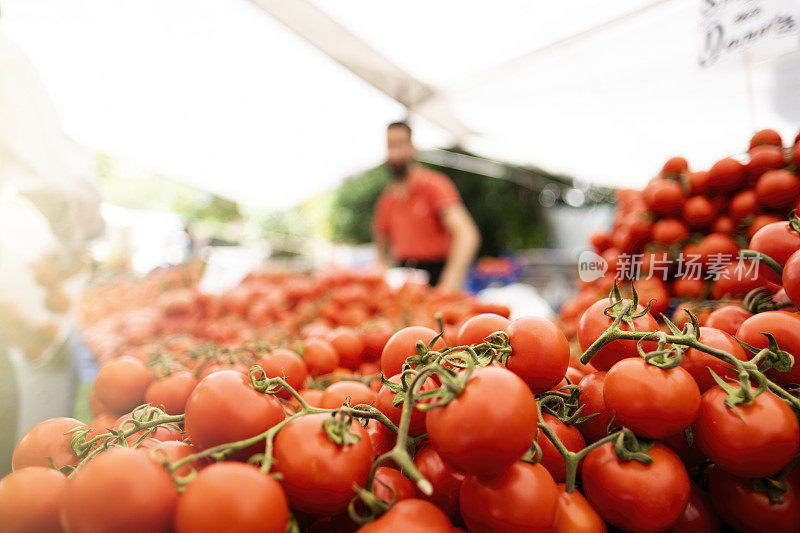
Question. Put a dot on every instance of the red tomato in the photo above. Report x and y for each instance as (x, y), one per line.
(727, 318)
(47, 439)
(403, 345)
(313, 397)
(232, 496)
(785, 328)
(699, 364)
(30, 500)
(698, 182)
(768, 137)
(120, 491)
(225, 408)
(653, 402)
(601, 241)
(410, 515)
(170, 394)
(675, 165)
(375, 337)
(101, 424)
(286, 364)
(594, 323)
(622, 491)
(551, 459)
(348, 345)
(380, 437)
(173, 450)
(691, 456)
(391, 486)
(764, 158)
(791, 277)
(320, 357)
(757, 440)
(692, 288)
(350, 392)
(664, 197)
(751, 511)
(699, 212)
(717, 248)
(473, 435)
(777, 189)
(384, 402)
(668, 231)
(523, 498)
(724, 224)
(445, 480)
(477, 328)
(121, 383)
(698, 516)
(726, 175)
(319, 474)
(575, 515)
(540, 353)
(591, 397)
(743, 204)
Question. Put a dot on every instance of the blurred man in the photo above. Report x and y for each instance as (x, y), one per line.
(420, 220)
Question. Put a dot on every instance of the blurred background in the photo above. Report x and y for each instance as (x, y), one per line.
(140, 136)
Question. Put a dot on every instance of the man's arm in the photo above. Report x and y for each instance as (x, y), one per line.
(464, 245)
(382, 251)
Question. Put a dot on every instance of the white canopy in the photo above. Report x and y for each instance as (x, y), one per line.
(271, 101)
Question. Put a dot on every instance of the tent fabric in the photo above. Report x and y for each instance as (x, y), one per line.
(271, 101)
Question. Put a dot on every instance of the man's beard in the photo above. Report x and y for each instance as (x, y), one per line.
(398, 170)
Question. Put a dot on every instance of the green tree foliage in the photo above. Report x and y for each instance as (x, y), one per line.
(507, 214)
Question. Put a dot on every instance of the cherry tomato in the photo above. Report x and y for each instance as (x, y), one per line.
(381, 438)
(225, 408)
(698, 182)
(320, 357)
(623, 492)
(48, 439)
(724, 224)
(477, 328)
(523, 498)
(575, 515)
(668, 231)
(717, 249)
(120, 491)
(726, 175)
(728, 318)
(476, 437)
(759, 221)
(540, 352)
(653, 402)
(743, 204)
(403, 345)
(319, 474)
(763, 158)
(700, 364)
(791, 277)
(594, 323)
(445, 480)
(591, 397)
(350, 392)
(170, 394)
(750, 511)
(777, 189)
(385, 399)
(692, 288)
(348, 345)
(121, 383)
(785, 328)
(755, 440)
(391, 486)
(233, 497)
(313, 397)
(765, 137)
(698, 516)
(738, 278)
(172, 450)
(410, 515)
(551, 459)
(664, 197)
(675, 165)
(286, 364)
(30, 500)
(699, 212)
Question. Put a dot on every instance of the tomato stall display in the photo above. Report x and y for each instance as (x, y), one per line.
(331, 402)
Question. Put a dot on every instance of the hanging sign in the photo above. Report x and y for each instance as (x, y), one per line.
(756, 29)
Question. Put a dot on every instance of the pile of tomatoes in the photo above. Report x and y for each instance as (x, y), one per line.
(686, 221)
